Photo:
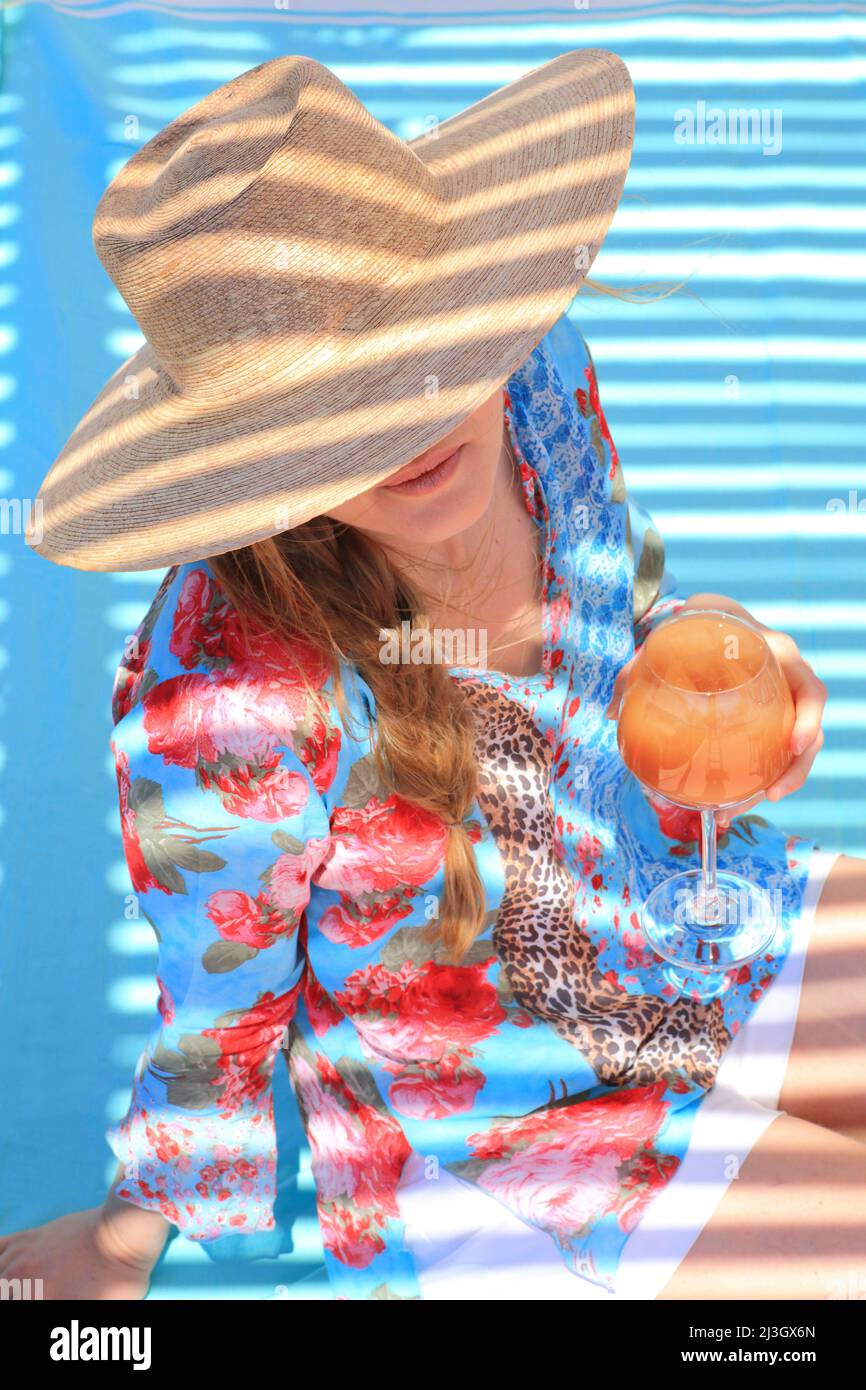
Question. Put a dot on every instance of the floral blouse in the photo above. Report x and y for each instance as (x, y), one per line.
(291, 894)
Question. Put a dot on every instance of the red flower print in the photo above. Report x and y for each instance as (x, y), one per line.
(420, 1025)
(207, 627)
(264, 791)
(201, 718)
(289, 878)
(564, 1167)
(638, 954)
(590, 403)
(457, 1005)
(168, 1153)
(351, 1238)
(177, 723)
(650, 1172)
(421, 1012)
(675, 822)
(229, 726)
(449, 1087)
(381, 846)
(128, 680)
(321, 1009)
(139, 873)
(319, 752)
(238, 917)
(358, 1155)
(196, 631)
(680, 824)
(165, 1003)
(285, 656)
(559, 612)
(359, 921)
(246, 1047)
(588, 849)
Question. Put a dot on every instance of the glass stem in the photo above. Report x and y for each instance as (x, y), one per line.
(708, 863)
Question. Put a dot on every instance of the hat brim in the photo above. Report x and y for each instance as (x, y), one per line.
(529, 179)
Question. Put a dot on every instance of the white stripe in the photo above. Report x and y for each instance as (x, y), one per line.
(729, 433)
(698, 477)
(800, 264)
(715, 217)
(733, 72)
(845, 714)
(740, 177)
(623, 390)
(845, 764)
(161, 40)
(824, 30)
(811, 614)
(729, 348)
(133, 994)
(744, 526)
(125, 617)
(837, 665)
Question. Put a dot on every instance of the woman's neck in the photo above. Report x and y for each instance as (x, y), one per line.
(486, 580)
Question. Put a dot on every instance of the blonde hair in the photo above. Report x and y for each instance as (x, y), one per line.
(339, 589)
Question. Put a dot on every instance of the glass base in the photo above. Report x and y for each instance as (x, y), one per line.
(704, 938)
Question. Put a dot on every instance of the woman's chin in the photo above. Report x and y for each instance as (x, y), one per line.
(431, 520)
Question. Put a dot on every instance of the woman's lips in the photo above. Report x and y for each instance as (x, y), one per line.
(418, 477)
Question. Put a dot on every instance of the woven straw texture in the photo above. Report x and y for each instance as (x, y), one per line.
(323, 301)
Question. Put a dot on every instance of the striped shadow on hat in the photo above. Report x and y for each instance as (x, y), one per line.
(321, 300)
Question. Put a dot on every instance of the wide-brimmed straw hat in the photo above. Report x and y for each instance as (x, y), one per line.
(321, 300)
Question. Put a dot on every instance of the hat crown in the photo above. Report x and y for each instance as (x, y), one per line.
(323, 302)
(273, 212)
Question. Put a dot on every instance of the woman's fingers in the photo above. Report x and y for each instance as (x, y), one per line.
(810, 697)
(796, 773)
(724, 818)
(790, 781)
(808, 691)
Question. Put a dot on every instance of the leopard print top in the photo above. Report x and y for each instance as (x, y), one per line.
(551, 966)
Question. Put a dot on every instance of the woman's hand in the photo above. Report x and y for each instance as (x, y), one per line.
(77, 1257)
(809, 694)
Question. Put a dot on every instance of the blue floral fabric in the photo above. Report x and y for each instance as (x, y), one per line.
(291, 893)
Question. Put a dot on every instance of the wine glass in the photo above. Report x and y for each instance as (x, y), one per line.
(705, 721)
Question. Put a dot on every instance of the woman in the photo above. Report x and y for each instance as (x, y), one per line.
(415, 870)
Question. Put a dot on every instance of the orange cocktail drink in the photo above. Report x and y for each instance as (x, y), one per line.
(705, 720)
(706, 714)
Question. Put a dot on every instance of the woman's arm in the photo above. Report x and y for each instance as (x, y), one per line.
(130, 1234)
(222, 830)
(101, 1253)
(222, 756)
